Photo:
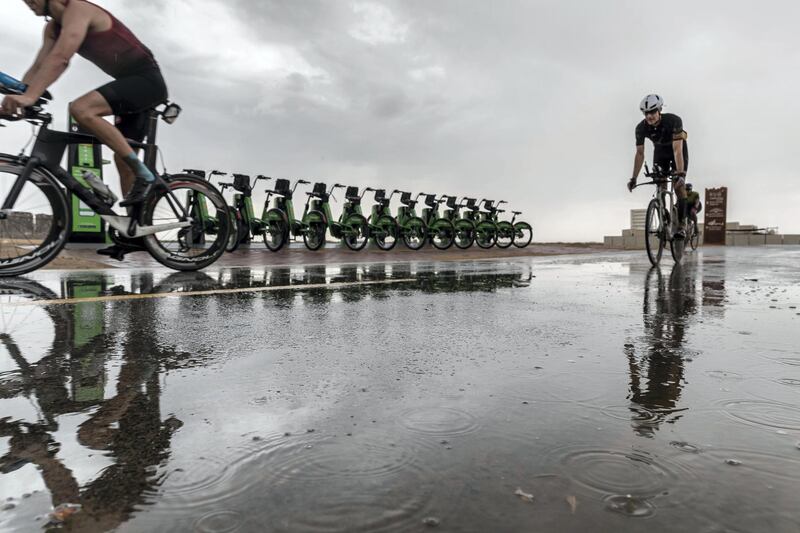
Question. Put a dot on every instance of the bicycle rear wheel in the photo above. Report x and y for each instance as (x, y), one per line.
(505, 235)
(414, 233)
(181, 249)
(442, 234)
(37, 227)
(465, 234)
(486, 234)
(655, 233)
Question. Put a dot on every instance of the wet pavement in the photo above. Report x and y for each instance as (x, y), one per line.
(580, 393)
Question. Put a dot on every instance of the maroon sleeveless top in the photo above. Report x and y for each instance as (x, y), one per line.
(116, 51)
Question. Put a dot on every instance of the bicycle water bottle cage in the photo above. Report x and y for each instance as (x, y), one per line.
(405, 198)
(241, 183)
(430, 200)
(351, 194)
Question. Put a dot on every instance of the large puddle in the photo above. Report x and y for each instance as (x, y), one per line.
(574, 394)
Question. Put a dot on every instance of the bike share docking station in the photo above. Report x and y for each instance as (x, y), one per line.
(87, 226)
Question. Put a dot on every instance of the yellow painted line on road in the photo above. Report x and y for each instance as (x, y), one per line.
(210, 292)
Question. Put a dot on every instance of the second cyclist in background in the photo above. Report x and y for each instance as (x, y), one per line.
(671, 152)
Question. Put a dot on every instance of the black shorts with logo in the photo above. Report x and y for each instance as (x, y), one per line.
(131, 97)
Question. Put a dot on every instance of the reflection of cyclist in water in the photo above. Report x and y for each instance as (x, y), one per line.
(656, 377)
(127, 427)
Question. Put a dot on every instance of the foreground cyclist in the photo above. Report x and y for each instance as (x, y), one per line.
(671, 153)
(78, 26)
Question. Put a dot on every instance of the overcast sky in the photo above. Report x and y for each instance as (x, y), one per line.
(534, 102)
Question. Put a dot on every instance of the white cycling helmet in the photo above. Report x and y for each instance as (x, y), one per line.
(651, 102)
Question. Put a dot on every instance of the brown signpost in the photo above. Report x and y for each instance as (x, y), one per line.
(716, 209)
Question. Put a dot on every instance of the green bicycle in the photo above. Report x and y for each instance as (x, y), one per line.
(505, 230)
(485, 230)
(351, 227)
(441, 231)
(249, 225)
(279, 219)
(464, 229)
(199, 210)
(410, 227)
(383, 227)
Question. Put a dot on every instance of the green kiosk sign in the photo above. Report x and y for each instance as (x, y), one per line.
(87, 226)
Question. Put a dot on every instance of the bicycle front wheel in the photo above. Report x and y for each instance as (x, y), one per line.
(233, 234)
(414, 233)
(442, 233)
(384, 233)
(486, 234)
(655, 233)
(183, 248)
(695, 241)
(37, 227)
(465, 234)
(277, 231)
(505, 234)
(355, 232)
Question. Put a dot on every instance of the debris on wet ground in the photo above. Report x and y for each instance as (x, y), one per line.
(431, 521)
(60, 514)
(8, 506)
(573, 503)
(629, 505)
(524, 496)
(733, 462)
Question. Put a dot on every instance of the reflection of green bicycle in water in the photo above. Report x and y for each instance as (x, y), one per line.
(210, 224)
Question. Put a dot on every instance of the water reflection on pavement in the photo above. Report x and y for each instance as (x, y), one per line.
(559, 394)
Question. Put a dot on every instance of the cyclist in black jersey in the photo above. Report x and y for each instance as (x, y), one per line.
(671, 152)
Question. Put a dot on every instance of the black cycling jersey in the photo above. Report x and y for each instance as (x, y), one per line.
(668, 129)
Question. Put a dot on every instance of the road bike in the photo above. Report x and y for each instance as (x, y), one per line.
(661, 219)
(199, 209)
(36, 212)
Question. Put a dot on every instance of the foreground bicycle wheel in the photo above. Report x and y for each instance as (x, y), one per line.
(523, 234)
(38, 226)
(677, 247)
(695, 240)
(654, 233)
(314, 234)
(180, 249)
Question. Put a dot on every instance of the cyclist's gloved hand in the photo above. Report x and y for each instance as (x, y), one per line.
(631, 184)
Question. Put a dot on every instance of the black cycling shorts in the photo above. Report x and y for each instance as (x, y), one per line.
(665, 158)
(131, 97)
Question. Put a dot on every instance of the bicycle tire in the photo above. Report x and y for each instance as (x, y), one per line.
(505, 230)
(205, 256)
(359, 224)
(523, 234)
(233, 220)
(276, 234)
(56, 235)
(695, 240)
(414, 228)
(465, 234)
(654, 233)
(314, 234)
(445, 229)
(387, 226)
(486, 234)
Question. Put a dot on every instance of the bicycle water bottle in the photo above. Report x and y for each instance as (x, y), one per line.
(11, 83)
(99, 188)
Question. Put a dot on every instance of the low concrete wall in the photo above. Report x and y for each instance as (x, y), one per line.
(791, 239)
(774, 239)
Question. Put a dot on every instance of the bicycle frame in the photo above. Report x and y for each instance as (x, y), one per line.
(47, 153)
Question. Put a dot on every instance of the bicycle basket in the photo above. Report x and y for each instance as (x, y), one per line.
(451, 202)
(351, 192)
(241, 183)
(405, 198)
(470, 202)
(380, 195)
(320, 188)
(488, 205)
(282, 185)
(430, 200)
